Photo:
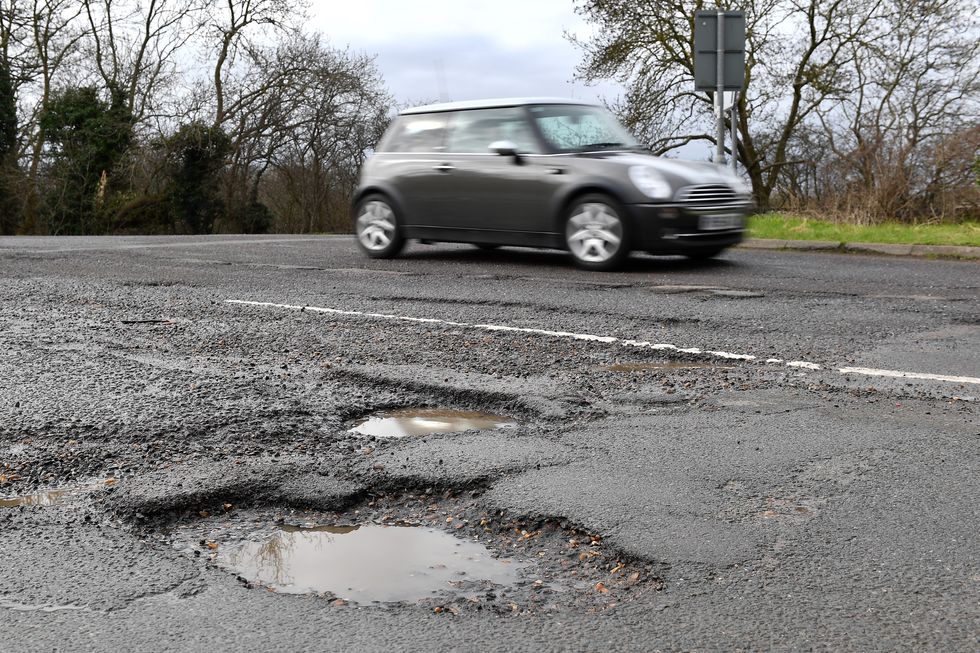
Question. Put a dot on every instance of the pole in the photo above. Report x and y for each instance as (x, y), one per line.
(720, 90)
(734, 160)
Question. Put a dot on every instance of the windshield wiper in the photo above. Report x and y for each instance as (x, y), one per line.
(600, 146)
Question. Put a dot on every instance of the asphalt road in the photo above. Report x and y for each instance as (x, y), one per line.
(804, 476)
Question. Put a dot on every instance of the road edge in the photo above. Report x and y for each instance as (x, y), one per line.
(891, 249)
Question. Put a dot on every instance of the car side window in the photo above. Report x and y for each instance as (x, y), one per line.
(472, 132)
(417, 133)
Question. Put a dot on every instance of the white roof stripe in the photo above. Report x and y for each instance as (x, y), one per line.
(492, 104)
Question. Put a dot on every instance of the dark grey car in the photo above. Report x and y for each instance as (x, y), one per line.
(543, 173)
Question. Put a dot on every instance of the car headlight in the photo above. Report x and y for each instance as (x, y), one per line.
(650, 182)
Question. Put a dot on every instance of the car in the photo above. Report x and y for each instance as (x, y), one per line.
(540, 172)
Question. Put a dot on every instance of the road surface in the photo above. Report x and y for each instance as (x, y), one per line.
(780, 448)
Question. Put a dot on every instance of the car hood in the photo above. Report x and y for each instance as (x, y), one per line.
(679, 172)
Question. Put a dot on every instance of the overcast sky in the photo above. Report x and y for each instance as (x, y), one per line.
(432, 50)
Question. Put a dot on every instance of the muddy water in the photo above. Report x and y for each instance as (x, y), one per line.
(45, 498)
(408, 422)
(48, 498)
(371, 563)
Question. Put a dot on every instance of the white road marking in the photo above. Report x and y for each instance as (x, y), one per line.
(805, 365)
(897, 374)
(639, 344)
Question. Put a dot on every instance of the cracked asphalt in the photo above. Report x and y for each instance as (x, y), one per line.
(778, 507)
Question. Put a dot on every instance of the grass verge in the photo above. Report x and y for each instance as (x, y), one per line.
(781, 226)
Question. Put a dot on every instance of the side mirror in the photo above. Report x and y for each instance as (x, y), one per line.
(504, 148)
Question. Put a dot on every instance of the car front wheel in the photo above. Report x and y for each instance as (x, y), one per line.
(376, 225)
(596, 233)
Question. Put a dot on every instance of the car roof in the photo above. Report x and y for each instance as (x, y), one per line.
(492, 104)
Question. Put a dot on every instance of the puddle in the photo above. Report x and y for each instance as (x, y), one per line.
(718, 291)
(43, 607)
(674, 289)
(370, 563)
(736, 294)
(433, 551)
(47, 497)
(408, 422)
(663, 365)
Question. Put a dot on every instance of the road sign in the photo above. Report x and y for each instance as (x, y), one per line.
(719, 66)
(706, 50)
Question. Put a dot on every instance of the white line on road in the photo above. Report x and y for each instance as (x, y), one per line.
(896, 374)
(640, 344)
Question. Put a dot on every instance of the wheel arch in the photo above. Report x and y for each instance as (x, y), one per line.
(597, 187)
(393, 196)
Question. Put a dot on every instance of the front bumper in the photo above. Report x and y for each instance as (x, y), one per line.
(677, 228)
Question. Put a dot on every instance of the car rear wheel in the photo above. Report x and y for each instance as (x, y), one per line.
(596, 233)
(376, 224)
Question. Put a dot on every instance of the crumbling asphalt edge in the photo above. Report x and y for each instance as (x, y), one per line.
(892, 249)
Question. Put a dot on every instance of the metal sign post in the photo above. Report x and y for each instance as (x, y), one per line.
(720, 88)
(734, 159)
(719, 65)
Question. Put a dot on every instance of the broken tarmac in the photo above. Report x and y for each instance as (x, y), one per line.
(760, 504)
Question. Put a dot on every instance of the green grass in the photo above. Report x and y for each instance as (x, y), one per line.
(781, 226)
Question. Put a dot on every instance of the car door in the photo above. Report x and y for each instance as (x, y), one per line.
(414, 161)
(495, 198)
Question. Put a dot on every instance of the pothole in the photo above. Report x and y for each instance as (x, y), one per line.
(446, 553)
(423, 421)
(717, 291)
(52, 496)
(736, 294)
(369, 563)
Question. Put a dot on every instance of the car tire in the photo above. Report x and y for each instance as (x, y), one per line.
(377, 228)
(597, 232)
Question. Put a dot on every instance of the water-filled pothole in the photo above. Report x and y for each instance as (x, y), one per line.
(51, 497)
(423, 421)
(369, 563)
(398, 548)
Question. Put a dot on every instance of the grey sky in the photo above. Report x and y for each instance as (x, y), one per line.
(464, 49)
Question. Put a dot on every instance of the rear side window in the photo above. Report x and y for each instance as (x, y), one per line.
(472, 132)
(424, 132)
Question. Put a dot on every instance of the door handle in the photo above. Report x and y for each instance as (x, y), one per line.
(445, 167)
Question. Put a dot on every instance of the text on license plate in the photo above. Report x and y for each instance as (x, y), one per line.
(711, 222)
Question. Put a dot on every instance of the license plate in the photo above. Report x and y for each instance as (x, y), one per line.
(715, 222)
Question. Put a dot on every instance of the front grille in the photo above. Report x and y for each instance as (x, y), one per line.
(707, 196)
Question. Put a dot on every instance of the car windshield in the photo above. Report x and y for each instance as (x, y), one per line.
(581, 128)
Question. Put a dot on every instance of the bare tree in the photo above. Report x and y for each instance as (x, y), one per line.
(339, 110)
(135, 45)
(280, 102)
(797, 55)
(50, 44)
(231, 24)
(914, 84)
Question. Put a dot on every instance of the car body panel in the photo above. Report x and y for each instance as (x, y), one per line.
(523, 199)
